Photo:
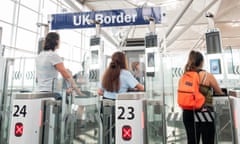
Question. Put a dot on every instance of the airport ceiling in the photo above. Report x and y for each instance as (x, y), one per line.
(184, 25)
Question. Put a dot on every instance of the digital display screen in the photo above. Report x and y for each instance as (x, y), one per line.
(215, 66)
(150, 60)
(94, 41)
(213, 42)
(94, 54)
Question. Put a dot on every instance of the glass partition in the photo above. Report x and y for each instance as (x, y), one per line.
(172, 70)
(87, 124)
(156, 130)
(223, 119)
(5, 97)
(18, 76)
(164, 116)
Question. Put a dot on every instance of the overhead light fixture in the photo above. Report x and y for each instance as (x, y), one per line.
(145, 3)
(171, 4)
(235, 23)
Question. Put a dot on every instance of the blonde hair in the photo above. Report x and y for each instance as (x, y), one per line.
(134, 65)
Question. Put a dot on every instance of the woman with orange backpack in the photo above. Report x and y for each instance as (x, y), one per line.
(200, 122)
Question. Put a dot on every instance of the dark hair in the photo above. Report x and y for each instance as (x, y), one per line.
(195, 60)
(111, 77)
(51, 41)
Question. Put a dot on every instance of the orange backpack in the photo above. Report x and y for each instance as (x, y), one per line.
(189, 96)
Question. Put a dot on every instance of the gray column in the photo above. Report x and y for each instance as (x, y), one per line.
(0, 35)
(1, 48)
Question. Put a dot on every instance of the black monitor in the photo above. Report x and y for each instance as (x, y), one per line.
(94, 41)
(213, 42)
(151, 40)
(215, 66)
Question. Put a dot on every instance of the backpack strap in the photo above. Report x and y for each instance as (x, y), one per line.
(198, 70)
(204, 78)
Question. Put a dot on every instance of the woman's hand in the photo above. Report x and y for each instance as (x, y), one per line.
(69, 90)
(100, 92)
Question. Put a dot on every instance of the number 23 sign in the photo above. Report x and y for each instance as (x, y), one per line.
(126, 113)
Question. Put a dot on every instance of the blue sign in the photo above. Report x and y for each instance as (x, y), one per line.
(105, 18)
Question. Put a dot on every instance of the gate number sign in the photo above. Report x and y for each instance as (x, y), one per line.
(126, 113)
(19, 111)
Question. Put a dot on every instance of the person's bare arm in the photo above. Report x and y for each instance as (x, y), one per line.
(60, 67)
(214, 84)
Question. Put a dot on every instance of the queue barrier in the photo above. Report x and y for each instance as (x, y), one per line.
(87, 118)
(234, 98)
(223, 123)
(130, 122)
(39, 118)
(108, 121)
(28, 118)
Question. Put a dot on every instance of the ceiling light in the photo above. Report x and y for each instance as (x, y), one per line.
(144, 3)
(235, 23)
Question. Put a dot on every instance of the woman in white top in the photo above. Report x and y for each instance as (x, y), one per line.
(49, 63)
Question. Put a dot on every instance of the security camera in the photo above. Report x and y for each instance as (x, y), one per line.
(38, 24)
(91, 21)
(209, 15)
(148, 18)
(42, 24)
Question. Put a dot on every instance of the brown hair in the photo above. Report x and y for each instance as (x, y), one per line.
(111, 77)
(195, 61)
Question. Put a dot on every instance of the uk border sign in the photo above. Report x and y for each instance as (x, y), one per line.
(108, 18)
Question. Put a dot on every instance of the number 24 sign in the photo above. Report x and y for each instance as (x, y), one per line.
(19, 111)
